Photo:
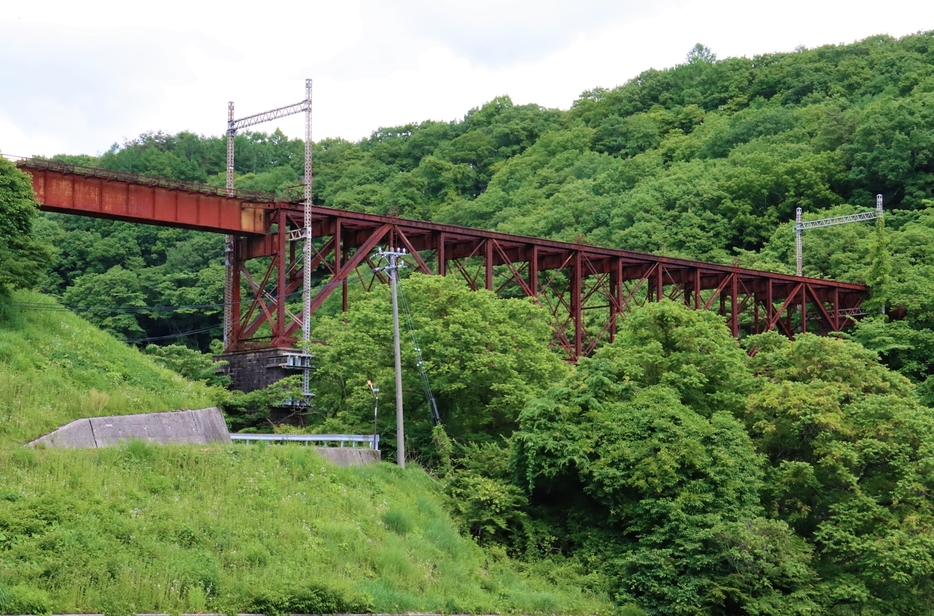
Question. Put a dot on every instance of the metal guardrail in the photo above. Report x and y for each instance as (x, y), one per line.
(370, 440)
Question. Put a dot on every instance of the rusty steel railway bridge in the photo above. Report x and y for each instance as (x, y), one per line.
(586, 289)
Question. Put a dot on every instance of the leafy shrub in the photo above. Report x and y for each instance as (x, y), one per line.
(189, 363)
(24, 600)
(309, 599)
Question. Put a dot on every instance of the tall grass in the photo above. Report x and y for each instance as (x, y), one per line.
(55, 367)
(171, 529)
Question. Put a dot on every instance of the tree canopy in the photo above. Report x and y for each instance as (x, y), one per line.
(22, 256)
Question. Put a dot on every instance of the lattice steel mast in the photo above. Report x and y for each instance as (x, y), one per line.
(828, 222)
(306, 271)
(233, 125)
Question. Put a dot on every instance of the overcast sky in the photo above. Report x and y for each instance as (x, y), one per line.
(76, 77)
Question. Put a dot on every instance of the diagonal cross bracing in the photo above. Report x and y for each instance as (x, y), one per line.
(585, 289)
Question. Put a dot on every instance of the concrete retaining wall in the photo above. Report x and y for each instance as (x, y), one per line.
(198, 427)
(192, 427)
(349, 456)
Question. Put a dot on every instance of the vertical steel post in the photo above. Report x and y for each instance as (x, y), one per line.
(282, 269)
(577, 275)
(769, 305)
(615, 267)
(306, 269)
(229, 239)
(697, 288)
(400, 430)
(836, 309)
(798, 241)
(488, 257)
(442, 257)
(533, 271)
(734, 305)
(804, 314)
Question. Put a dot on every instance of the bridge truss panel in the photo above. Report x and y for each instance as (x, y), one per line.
(586, 290)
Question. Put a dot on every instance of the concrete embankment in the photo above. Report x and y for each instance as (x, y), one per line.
(197, 427)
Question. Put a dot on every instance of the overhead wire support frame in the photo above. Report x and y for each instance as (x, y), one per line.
(801, 226)
(233, 125)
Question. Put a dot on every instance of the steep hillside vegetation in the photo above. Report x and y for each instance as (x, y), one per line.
(142, 528)
(172, 529)
(708, 159)
(56, 367)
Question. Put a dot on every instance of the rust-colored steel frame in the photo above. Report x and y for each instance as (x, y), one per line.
(86, 191)
(586, 289)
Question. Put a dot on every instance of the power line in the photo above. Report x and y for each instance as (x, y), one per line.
(426, 386)
(203, 330)
(39, 306)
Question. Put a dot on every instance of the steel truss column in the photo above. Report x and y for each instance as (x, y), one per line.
(442, 255)
(804, 309)
(234, 342)
(616, 285)
(488, 261)
(576, 309)
(533, 271)
(734, 305)
(282, 270)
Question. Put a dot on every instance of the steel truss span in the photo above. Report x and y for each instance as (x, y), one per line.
(586, 290)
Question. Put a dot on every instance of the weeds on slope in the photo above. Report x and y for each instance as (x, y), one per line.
(145, 528)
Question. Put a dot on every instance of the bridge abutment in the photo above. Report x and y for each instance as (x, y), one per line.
(260, 368)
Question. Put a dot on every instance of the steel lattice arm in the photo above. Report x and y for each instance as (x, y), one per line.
(266, 116)
(839, 220)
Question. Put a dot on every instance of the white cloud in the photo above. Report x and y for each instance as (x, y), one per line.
(77, 77)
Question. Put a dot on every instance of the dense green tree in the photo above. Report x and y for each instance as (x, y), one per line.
(644, 433)
(483, 356)
(850, 456)
(22, 255)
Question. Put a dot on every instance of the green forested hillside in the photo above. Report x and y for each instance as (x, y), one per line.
(708, 160)
(682, 471)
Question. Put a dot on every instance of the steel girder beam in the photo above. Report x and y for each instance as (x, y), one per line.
(586, 289)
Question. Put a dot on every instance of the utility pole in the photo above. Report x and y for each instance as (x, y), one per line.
(828, 222)
(375, 391)
(392, 257)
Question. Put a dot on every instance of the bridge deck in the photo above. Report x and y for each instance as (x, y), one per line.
(570, 279)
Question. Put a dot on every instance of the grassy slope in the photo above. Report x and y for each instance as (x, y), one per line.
(55, 367)
(183, 529)
(142, 528)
